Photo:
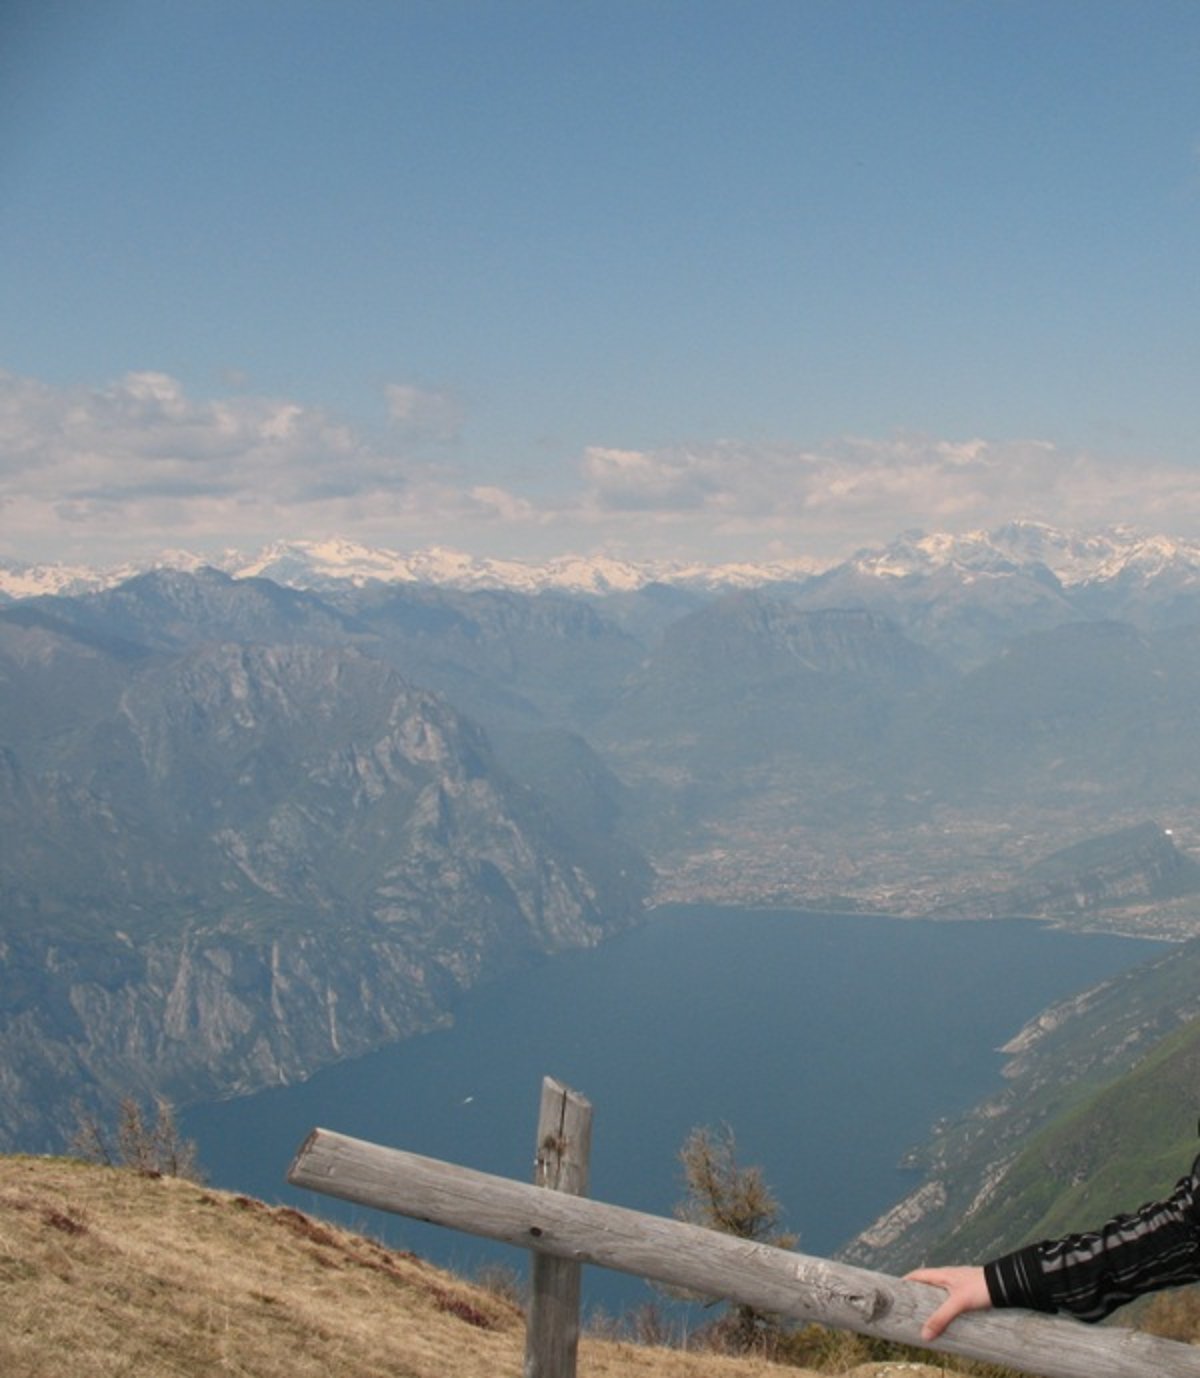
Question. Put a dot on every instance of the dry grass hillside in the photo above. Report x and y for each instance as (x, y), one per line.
(105, 1273)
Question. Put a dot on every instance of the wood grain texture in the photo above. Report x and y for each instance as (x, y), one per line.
(717, 1265)
(561, 1162)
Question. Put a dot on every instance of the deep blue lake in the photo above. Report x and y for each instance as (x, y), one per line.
(829, 1043)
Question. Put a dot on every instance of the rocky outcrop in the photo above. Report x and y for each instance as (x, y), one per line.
(205, 1015)
(1140, 863)
(238, 863)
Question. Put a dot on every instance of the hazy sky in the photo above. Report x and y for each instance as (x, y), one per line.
(704, 278)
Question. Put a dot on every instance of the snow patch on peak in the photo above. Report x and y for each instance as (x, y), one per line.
(334, 559)
(19, 580)
(1022, 546)
(1115, 556)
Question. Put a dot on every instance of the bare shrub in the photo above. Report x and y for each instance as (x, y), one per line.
(647, 1325)
(505, 1283)
(156, 1149)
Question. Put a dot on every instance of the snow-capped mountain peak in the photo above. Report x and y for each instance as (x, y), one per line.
(312, 564)
(1075, 559)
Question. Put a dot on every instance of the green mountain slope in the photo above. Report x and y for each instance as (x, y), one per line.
(1122, 1146)
(1099, 1112)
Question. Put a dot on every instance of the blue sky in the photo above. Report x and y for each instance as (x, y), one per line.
(692, 280)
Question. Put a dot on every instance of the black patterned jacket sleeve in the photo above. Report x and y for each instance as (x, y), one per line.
(1089, 1275)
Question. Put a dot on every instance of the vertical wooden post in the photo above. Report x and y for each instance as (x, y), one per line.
(564, 1141)
(720, 1265)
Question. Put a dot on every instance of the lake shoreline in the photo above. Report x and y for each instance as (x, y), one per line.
(1059, 923)
(807, 1037)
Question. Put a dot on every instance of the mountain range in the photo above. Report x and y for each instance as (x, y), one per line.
(1080, 562)
(963, 596)
(259, 818)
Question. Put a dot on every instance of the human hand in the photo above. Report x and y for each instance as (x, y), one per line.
(966, 1290)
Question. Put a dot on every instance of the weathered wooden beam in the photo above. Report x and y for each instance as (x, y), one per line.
(718, 1265)
(564, 1138)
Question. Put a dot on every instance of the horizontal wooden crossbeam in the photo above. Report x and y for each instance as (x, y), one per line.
(719, 1265)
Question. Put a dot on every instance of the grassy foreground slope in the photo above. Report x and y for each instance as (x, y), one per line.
(105, 1273)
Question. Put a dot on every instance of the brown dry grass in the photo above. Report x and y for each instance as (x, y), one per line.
(107, 1274)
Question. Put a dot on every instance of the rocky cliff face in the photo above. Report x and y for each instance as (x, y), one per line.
(1140, 863)
(206, 1014)
(1135, 866)
(228, 865)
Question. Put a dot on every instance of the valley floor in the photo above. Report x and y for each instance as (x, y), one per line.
(939, 866)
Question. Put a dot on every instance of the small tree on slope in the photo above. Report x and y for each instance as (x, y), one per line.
(723, 1195)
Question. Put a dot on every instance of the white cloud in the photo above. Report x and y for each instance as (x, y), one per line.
(659, 481)
(139, 462)
(143, 437)
(425, 413)
(857, 491)
(124, 469)
(487, 502)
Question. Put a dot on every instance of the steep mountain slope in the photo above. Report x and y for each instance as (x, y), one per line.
(1138, 865)
(1087, 711)
(1098, 1114)
(226, 867)
(170, 609)
(749, 676)
(750, 695)
(1127, 1143)
(589, 804)
(509, 660)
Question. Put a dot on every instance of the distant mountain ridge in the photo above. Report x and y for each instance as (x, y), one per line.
(851, 739)
(1075, 561)
(338, 563)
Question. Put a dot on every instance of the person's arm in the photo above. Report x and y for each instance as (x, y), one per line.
(1087, 1275)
